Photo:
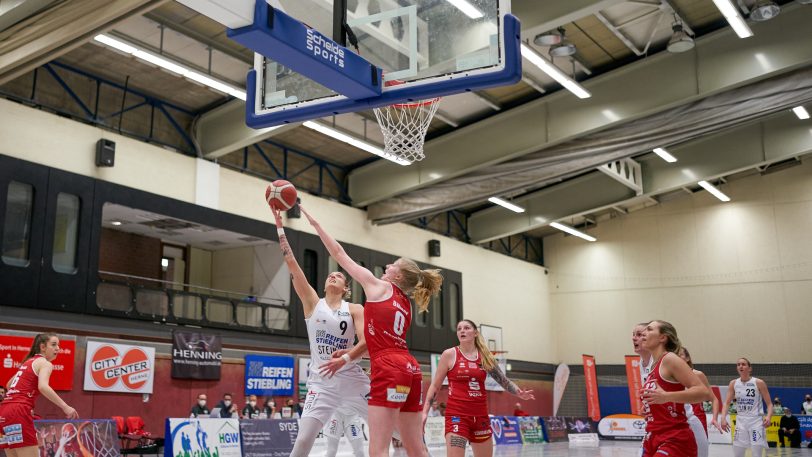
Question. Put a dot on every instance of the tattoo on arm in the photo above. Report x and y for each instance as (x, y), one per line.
(502, 380)
(457, 441)
(283, 243)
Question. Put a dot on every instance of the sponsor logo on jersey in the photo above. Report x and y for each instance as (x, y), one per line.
(473, 384)
(396, 396)
(343, 313)
(455, 419)
(472, 365)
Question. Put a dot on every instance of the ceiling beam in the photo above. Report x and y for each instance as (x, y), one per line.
(223, 130)
(775, 139)
(719, 62)
(542, 16)
(60, 29)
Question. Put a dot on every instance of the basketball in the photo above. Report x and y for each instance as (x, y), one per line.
(281, 195)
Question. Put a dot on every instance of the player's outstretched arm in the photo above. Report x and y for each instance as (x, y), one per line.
(304, 290)
(499, 376)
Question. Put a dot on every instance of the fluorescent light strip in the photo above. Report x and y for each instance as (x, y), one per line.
(173, 67)
(466, 8)
(734, 18)
(554, 72)
(344, 138)
(714, 191)
(572, 231)
(665, 155)
(801, 112)
(506, 204)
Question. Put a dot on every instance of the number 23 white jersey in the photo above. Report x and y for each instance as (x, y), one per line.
(748, 398)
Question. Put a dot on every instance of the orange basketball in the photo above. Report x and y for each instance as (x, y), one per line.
(281, 195)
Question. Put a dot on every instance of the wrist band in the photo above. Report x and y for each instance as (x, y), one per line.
(280, 231)
(346, 358)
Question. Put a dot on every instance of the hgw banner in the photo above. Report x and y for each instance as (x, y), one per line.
(591, 380)
(196, 355)
(190, 437)
(13, 350)
(119, 368)
(268, 375)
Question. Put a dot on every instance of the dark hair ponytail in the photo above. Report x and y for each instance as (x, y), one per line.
(39, 340)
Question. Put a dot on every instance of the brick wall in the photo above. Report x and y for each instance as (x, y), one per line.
(130, 254)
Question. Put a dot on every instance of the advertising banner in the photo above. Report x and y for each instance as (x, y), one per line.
(635, 383)
(269, 375)
(505, 430)
(87, 438)
(13, 350)
(191, 437)
(562, 376)
(304, 374)
(591, 380)
(622, 427)
(113, 367)
(530, 429)
(434, 432)
(268, 438)
(555, 429)
(196, 355)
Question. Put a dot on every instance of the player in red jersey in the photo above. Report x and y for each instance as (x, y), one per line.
(466, 416)
(396, 385)
(16, 420)
(670, 385)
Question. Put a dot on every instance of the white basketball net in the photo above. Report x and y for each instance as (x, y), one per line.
(404, 128)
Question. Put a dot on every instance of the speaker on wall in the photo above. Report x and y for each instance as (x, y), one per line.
(105, 153)
(434, 248)
(295, 212)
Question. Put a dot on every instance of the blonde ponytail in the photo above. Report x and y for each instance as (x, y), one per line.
(488, 360)
(421, 284)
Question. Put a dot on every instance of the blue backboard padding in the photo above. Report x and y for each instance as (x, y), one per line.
(308, 52)
(510, 74)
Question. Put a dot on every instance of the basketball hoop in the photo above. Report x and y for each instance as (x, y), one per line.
(404, 126)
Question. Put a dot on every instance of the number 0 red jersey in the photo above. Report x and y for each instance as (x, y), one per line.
(23, 387)
(386, 323)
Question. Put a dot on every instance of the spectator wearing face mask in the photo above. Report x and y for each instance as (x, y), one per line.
(789, 428)
(806, 406)
(251, 411)
(270, 408)
(227, 408)
(778, 408)
(200, 408)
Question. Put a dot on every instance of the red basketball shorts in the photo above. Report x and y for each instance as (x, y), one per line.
(476, 429)
(17, 426)
(670, 443)
(396, 382)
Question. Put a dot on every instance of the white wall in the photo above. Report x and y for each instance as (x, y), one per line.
(734, 278)
(497, 290)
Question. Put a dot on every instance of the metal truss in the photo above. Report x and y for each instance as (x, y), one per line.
(452, 219)
(532, 251)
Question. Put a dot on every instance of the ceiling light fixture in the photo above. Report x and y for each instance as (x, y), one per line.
(116, 223)
(664, 155)
(680, 41)
(467, 8)
(564, 47)
(550, 38)
(170, 66)
(572, 231)
(352, 141)
(764, 10)
(714, 191)
(733, 17)
(506, 204)
(801, 112)
(554, 72)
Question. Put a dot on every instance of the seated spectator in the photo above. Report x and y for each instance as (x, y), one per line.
(200, 407)
(434, 410)
(791, 428)
(251, 411)
(292, 409)
(227, 408)
(519, 411)
(806, 406)
(270, 409)
(778, 408)
(2, 393)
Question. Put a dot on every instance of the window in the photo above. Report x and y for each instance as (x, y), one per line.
(422, 319)
(436, 307)
(152, 302)
(249, 315)
(66, 233)
(219, 311)
(187, 306)
(454, 303)
(310, 266)
(113, 297)
(17, 225)
(277, 318)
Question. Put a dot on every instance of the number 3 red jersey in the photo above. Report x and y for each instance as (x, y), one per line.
(23, 387)
(466, 387)
(386, 323)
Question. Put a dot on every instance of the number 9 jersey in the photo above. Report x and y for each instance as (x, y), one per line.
(396, 377)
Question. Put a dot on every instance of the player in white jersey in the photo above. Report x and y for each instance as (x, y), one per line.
(332, 325)
(345, 423)
(751, 423)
